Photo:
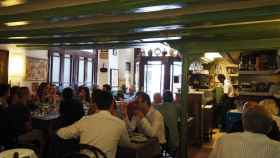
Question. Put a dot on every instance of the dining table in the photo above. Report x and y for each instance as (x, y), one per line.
(150, 148)
(18, 152)
(47, 123)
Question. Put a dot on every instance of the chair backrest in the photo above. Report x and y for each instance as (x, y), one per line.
(32, 147)
(75, 155)
(94, 151)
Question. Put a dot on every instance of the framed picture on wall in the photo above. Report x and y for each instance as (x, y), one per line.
(36, 69)
(114, 77)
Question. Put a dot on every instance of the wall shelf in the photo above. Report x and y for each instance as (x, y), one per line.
(267, 72)
(264, 94)
(233, 75)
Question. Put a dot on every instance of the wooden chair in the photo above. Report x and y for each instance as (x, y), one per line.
(97, 153)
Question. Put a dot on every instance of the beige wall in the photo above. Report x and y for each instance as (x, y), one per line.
(17, 63)
(117, 62)
(126, 55)
(102, 77)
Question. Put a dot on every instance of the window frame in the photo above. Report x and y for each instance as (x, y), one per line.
(74, 67)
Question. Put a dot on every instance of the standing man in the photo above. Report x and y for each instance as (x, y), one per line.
(227, 101)
(169, 112)
(228, 90)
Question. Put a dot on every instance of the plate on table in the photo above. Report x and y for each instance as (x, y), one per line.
(138, 138)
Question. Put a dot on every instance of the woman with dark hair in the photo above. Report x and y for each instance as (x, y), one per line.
(42, 92)
(84, 94)
(53, 97)
(107, 88)
(94, 94)
(84, 97)
(169, 112)
(13, 98)
(71, 110)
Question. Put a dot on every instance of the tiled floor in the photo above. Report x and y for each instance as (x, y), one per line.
(204, 151)
(199, 152)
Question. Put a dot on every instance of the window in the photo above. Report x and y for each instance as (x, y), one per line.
(67, 71)
(89, 73)
(176, 76)
(81, 77)
(55, 68)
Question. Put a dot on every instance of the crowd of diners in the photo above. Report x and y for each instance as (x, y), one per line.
(97, 117)
(104, 119)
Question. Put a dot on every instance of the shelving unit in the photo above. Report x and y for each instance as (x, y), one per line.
(232, 72)
(262, 94)
(267, 72)
(255, 83)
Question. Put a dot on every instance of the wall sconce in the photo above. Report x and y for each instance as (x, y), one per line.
(103, 69)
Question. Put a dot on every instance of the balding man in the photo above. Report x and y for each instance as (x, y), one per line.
(157, 101)
(253, 142)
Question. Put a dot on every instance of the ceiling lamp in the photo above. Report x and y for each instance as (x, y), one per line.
(157, 8)
(16, 23)
(20, 37)
(162, 39)
(8, 3)
(159, 28)
(211, 56)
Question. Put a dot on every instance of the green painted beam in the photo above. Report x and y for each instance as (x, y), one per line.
(84, 46)
(190, 47)
(113, 7)
(264, 13)
(165, 14)
(230, 45)
(234, 33)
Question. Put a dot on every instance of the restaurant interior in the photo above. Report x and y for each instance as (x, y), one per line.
(151, 46)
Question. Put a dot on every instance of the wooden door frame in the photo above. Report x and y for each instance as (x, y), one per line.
(7, 65)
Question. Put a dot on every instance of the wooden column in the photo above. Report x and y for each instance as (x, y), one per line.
(50, 68)
(184, 95)
(167, 72)
(61, 71)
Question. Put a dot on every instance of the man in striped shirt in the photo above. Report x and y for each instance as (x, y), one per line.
(251, 143)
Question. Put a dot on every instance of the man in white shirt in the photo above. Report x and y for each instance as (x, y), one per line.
(228, 88)
(102, 129)
(251, 143)
(146, 118)
(227, 101)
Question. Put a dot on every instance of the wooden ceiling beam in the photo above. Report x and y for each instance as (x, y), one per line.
(85, 46)
(225, 46)
(96, 39)
(47, 5)
(189, 10)
(233, 31)
(207, 20)
(253, 31)
(184, 46)
(78, 8)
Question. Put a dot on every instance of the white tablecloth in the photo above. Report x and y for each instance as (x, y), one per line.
(23, 153)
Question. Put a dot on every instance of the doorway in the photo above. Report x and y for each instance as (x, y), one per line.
(153, 77)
